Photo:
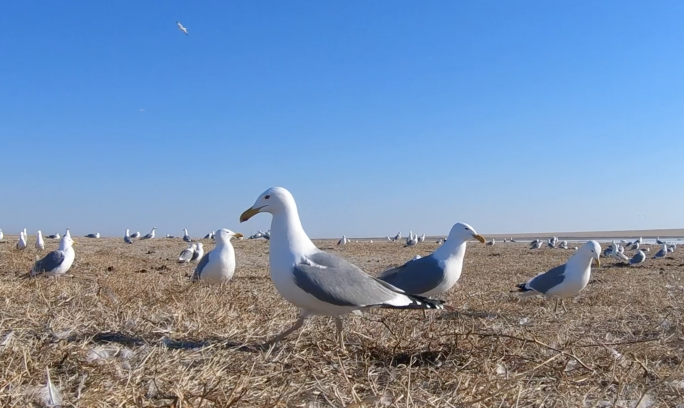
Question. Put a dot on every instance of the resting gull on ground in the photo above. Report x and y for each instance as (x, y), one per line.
(638, 258)
(565, 280)
(218, 265)
(135, 234)
(438, 272)
(342, 241)
(150, 235)
(56, 262)
(186, 237)
(199, 252)
(315, 281)
(127, 238)
(662, 253)
(186, 254)
(95, 235)
(40, 244)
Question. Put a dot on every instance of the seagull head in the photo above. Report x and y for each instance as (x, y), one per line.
(66, 242)
(462, 232)
(225, 235)
(591, 250)
(274, 200)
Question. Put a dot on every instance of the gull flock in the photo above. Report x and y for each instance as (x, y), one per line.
(321, 283)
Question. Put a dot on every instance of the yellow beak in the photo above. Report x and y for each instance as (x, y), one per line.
(598, 262)
(479, 238)
(249, 213)
(238, 235)
(74, 243)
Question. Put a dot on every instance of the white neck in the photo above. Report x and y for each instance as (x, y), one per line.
(580, 262)
(452, 247)
(288, 237)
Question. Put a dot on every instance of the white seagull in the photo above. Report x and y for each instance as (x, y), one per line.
(186, 237)
(56, 262)
(638, 258)
(436, 273)
(21, 244)
(315, 281)
(218, 265)
(186, 254)
(342, 241)
(183, 29)
(662, 253)
(199, 252)
(40, 244)
(565, 280)
(135, 235)
(150, 235)
(1, 235)
(127, 238)
(95, 235)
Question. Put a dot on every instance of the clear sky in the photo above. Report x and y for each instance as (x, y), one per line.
(379, 116)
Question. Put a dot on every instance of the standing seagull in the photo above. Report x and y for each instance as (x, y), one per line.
(183, 29)
(186, 254)
(1, 235)
(438, 272)
(638, 258)
(398, 236)
(218, 265)
(342, 241)
(411, 240)
(565, 280)
(135, 235)
(662, 253)
(186, 237)
(56, 262)
(492, 242)
(150, 235)
(21, 244)
(127, 238)
(315, 281)
(40, 244)
(199, 252)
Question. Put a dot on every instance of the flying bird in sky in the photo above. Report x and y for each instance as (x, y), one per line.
(183, 29)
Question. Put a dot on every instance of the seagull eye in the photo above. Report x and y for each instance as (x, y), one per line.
(267, 197)
(467, 229)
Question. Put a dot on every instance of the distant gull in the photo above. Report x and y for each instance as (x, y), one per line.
(536, 244)
(186, 237)
(421, 238)
(170, 236)
(563, 245)
(54, 236)
(436, 273)
(56, 262)
(127, 238)
(40, 244)
(397, 237)
(635, 246)
(95, 235)
(416, 257)
(199, 252)
(186, 254)
(638, 258)
(411, 240)
(208, 236)
(135, 235)
(671, 247)
(659, 242)
(218, 265)
(21, 244)
(662, 253)
(183, 29)
(551, 243)
(389, 239)
(1, 235)
(317, 282)
(342, 241)
(492, 242)
(616, 253)
(150, 235)
(565, 280)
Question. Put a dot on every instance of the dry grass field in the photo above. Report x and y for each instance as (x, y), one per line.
(128, 329)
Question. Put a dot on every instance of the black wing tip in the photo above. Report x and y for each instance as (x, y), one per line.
(522, 287)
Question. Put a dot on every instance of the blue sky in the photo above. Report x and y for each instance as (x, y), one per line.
(378, 116)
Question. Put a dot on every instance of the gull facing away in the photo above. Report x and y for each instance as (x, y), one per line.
(186, 237)
(342, 241)
(135, 235)
(183, 29)
(436, 273)
(638, 258)
(199, 252)
(411, 240)
(21, 244)
(218, 265)
(127, 237)
(317, 282)
(40, 244)
(150, 235)
(186, 254)
(660, 254)
(566, 280)
(56, 262)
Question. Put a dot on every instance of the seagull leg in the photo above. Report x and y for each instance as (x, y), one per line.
(563, 304)
(296, 326)
(338, 325)
(555, 309)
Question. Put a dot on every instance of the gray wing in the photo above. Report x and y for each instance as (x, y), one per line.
(338, 282)
(200, 267)
(185, 255)
(148, 236)
(416, 276)
(638, 258)
(194, 256)
(128, 240)
(661, 253)
(547, 280)
(49, 262)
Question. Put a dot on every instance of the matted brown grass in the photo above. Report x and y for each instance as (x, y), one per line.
(127, 329)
